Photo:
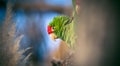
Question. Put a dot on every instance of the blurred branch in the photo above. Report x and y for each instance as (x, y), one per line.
(8, 50)
(7, 22)
(43, 7)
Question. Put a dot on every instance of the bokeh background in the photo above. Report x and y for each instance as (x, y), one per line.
(96, 28)
(31, 18)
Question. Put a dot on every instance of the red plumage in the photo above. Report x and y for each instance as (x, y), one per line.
(49, 29)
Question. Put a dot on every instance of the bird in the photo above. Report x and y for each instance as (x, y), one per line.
(61, 27)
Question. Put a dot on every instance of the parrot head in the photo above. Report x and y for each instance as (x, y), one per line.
(58, 27)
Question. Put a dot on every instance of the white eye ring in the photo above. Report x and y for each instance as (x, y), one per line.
(52, 29)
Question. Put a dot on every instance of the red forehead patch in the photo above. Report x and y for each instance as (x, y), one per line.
(49, 29)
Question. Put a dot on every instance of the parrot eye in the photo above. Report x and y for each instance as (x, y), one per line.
(53, 27)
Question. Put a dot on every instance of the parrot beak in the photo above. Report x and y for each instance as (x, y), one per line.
(53, 36)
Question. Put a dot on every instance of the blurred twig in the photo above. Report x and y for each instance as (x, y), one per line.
(42, 6)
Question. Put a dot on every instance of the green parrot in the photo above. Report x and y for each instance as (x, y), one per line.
(62, 27)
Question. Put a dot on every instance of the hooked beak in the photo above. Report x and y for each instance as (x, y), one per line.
(53, 36)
